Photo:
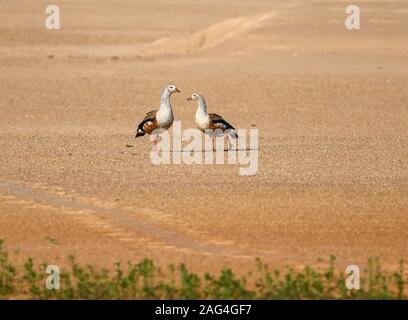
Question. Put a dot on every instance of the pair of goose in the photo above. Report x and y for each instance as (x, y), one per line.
(163, 117)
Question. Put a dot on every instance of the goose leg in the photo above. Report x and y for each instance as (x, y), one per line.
(226, 139)
(154, 141)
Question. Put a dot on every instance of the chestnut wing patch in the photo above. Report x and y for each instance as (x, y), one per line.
(218, 122)
(148, 124)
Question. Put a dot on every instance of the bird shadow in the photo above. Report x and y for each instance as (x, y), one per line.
(210, 150)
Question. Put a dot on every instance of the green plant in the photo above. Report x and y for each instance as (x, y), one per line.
(144, 280)
(7, 274)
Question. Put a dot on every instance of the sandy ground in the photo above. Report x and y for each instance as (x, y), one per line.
(331, 107)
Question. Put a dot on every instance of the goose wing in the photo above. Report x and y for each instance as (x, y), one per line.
(148, 124)
(218, 122)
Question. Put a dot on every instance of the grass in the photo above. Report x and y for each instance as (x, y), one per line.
(52, 240)
(144, 280)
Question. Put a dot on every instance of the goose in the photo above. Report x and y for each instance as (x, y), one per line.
(161, 118)
(211, 121)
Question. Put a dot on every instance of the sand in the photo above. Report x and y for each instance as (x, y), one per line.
(331, 107)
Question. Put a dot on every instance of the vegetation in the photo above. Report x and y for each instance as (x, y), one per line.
(144, 280)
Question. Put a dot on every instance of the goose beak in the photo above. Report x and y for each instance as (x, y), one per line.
(177, 90)
(189, 98)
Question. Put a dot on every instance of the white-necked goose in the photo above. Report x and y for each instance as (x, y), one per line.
(158, 119)
(211, 121)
